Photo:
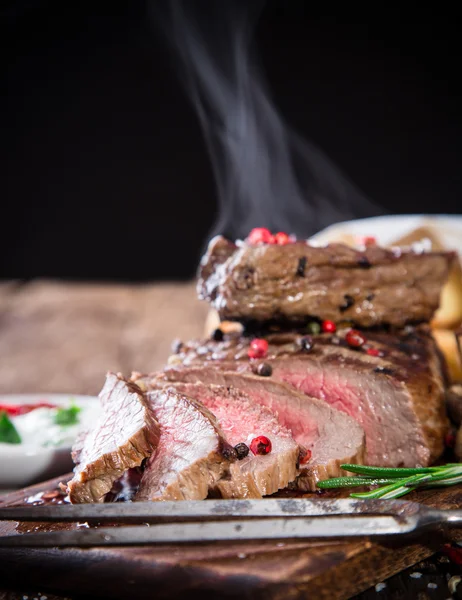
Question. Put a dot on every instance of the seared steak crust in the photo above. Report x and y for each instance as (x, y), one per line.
(126, 433)
(297, 281)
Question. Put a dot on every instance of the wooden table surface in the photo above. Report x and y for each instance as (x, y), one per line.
(63, 337)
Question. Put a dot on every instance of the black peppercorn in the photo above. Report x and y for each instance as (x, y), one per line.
(301, 266)
(241, 450)
(384, 370)
(409, 332)
(244, 278)
(364, 263)
(177, 346)
(217, 335)
(265, 370)
(349, 301)
(306, 343)
(229, 453)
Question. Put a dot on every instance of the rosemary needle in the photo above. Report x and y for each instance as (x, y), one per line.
(344, 482)
(388, 471)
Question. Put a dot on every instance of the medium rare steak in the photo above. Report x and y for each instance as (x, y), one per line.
(242, 420)
(393, 385)
(125, 434)
(192, 454)
(331, 436)
(298, 280)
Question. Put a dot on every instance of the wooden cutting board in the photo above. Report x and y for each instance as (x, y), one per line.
(269, 570)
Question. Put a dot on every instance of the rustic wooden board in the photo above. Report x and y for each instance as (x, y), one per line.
(270, 570)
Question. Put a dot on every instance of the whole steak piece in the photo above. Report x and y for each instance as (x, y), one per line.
(125, 434)
(393, 385)
(330, 436)
(296, 281)
(192, 454)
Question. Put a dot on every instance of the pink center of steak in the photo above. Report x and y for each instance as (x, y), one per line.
(328, 387)
(396, 395)
(332, 436)
(188, 459)
(242, 420)
(377, 403)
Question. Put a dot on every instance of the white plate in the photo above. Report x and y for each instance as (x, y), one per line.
(24, 464)
(389, 228)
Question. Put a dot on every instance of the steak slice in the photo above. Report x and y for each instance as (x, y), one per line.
(242, 420)
(336, 282)
(396, 396)
(331, 436)
(125, 434)
(192, 454)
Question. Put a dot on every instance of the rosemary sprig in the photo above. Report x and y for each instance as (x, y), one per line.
(394, 482)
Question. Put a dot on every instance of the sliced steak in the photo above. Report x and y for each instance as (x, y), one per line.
(192, 454)
(242, 420)
(336, 282)
(396, 396)
(331, 436)
(125, 434)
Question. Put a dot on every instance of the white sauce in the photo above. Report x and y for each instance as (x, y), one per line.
(38, 428)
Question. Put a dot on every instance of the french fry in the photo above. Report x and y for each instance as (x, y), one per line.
(212, 322)
(449, 314)
(446, 340)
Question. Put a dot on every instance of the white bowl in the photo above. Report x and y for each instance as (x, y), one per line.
(28, 462)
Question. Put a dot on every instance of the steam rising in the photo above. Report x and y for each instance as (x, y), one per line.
(266, 174)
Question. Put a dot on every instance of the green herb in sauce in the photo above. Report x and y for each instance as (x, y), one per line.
(67, 416)
(8, 433)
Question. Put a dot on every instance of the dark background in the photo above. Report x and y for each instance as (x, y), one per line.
(105, 171)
